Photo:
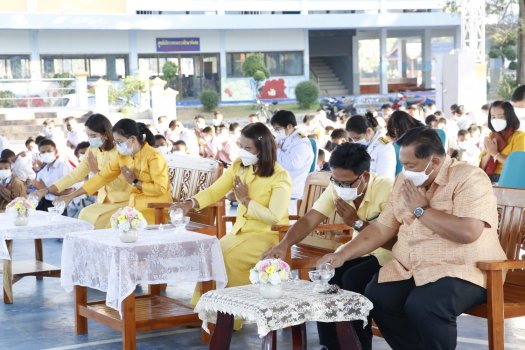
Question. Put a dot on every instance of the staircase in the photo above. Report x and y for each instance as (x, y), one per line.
(329, 83)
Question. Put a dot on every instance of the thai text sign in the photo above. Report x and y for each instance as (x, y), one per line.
(178, 44)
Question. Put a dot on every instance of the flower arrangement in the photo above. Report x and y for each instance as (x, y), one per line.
(128, 218)
(21, 207)
(270, 271)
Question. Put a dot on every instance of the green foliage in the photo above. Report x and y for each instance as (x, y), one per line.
(169, 71)
(64, 84)
(506, 86)
(129, 88)
(306, 93)
(7, 103)
(209, 100)
(255, 67)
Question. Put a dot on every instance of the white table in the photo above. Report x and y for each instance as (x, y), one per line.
(298, 304)
(41, 225)
(100, 261)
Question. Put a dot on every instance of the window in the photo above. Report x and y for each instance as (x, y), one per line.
(14, 67)
(109, 67)
(278, 63)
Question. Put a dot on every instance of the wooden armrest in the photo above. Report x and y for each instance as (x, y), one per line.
(281, 228)
(501, 265)
(294, 217)
(229, 218)
(334, 227)
(216, 205)
(159, 205)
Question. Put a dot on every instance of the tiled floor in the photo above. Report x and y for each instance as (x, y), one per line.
(42, 318)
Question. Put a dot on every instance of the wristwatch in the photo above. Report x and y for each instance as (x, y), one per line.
(358, 225)
(419, 211)
(135, 182)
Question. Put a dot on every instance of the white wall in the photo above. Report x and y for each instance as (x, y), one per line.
(68, 42)
(265, 40)
(14, 42)
(146, 40)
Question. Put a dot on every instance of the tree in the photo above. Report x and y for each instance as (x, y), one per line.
(520, 74)
(169, 71)
(255, 68)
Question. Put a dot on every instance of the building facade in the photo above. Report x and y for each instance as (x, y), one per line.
(208, 40)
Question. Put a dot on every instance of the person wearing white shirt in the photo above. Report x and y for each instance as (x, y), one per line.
(518, 101)
(463, 121)
(177, 131)
(364, 130)
(294, 151)
(74, 135)
(54, 170)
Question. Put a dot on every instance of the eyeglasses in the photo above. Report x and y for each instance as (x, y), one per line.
(344, 184)
(118, 143)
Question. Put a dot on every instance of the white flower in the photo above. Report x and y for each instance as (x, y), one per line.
(124, 226)
(274, 279)
(284, 275)
(254, 276)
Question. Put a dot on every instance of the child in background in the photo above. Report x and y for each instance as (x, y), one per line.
(10, 186)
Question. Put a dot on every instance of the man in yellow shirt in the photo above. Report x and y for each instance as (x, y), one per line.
(352, 186)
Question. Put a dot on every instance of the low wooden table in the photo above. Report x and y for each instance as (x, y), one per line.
(41, 225)
(102, 262)
(298, 305)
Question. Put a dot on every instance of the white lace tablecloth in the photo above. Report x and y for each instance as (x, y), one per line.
(101, 261)
(298, 304)
(41, 225)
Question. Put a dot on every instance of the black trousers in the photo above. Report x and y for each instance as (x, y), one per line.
(414, 317)
(354, 275)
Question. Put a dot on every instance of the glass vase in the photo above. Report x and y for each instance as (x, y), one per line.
(21, 219)
(271, 291)
(130, 236)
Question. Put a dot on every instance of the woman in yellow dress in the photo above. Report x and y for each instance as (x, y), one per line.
(263, 189)
(110, 197)
(143, 167)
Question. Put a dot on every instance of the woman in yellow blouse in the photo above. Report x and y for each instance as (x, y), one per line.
(504, 139)
(263, 189)
(143, 167)
(115, 194)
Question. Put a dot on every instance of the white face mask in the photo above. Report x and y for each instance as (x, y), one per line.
(4, 174)
(81, 157)
(499, 124)
(48, 157)
(123, 149)
(347, 193)
(248, 158)
(418, 178)
(363, 142)
(95, 142)
(280, 135)
(163, 149)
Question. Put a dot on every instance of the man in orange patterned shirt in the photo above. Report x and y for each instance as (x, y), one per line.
(444, 215)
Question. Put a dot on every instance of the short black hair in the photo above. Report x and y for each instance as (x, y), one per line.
(159, 137)
(512, 119)
(178, 143)
(438, 114)
(350, 156)
(234, 126)
(5, 161)
(7, 153)
(339, 134)
(47, 142)
(462, 132)
(399, 122)
(39, 139)
(283, 118)
(460, 110)
(518, 94)
(426, 141)
(28, 141)
(430, 119)
(386, 105)
(359, 124)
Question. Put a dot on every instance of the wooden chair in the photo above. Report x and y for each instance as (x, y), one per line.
(325, 238)
(188, 176)
(505, 300)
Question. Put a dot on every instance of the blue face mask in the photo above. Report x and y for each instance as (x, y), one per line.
(95, 142)
(123, 149)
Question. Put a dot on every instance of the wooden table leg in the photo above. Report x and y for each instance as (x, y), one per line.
(346, 335)
(222, 335)
(39, 254)
(8, 275)
(81, 322)
(270, 341)
(129, 323)
(299, 337)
